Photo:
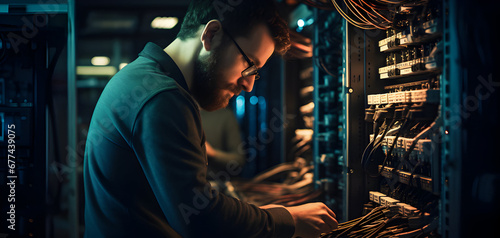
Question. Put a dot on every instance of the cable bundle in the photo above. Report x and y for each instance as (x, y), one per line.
(296, 188)
(366, 14)
(384, 221)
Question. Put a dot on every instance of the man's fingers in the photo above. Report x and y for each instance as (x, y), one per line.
(313, 218)
(330, 212)
(332, 223)
(330, 218)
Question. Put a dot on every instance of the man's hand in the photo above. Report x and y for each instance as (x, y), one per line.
(312, 219)
(210, 150)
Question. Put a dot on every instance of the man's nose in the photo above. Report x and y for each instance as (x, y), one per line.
(247, 83)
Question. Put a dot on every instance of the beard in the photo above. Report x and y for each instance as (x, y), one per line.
(209, 88)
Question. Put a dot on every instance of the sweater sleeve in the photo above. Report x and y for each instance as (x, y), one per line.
(167, 138)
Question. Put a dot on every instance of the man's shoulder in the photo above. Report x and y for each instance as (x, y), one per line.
(135, 85)
(146, 75)
(141, 80)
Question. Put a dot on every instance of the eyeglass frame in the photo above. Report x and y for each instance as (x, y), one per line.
(250, 70)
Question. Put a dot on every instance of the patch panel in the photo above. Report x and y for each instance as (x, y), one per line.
(427, 31)
(423, 147)
(420, 181)
(398, 97)
(421, 152)
(425, 95)
(430, 83)
(414, 96)
(427, 64)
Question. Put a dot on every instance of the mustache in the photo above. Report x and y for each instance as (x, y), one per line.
(235, 89)
(237, 92)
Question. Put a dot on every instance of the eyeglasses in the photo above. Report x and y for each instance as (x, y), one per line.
(252, 68)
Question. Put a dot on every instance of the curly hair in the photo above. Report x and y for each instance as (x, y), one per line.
(238, 17)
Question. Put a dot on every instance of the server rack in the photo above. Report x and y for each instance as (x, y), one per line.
(36, 75)
(379, 66)
(446, 93)
(329, 116)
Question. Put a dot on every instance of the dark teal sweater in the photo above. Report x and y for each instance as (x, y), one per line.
(145, 163)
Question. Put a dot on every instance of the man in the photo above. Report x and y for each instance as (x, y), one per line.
(145, 160)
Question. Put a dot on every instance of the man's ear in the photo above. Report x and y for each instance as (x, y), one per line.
(211, 35)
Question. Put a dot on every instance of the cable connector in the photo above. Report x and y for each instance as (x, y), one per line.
(369, 113)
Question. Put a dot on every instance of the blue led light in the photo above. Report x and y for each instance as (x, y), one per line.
(254, 100)
(240, 106)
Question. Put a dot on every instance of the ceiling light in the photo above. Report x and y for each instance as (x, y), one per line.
(301, 23)
(164, 22)
(96, 71)
(99, 60)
